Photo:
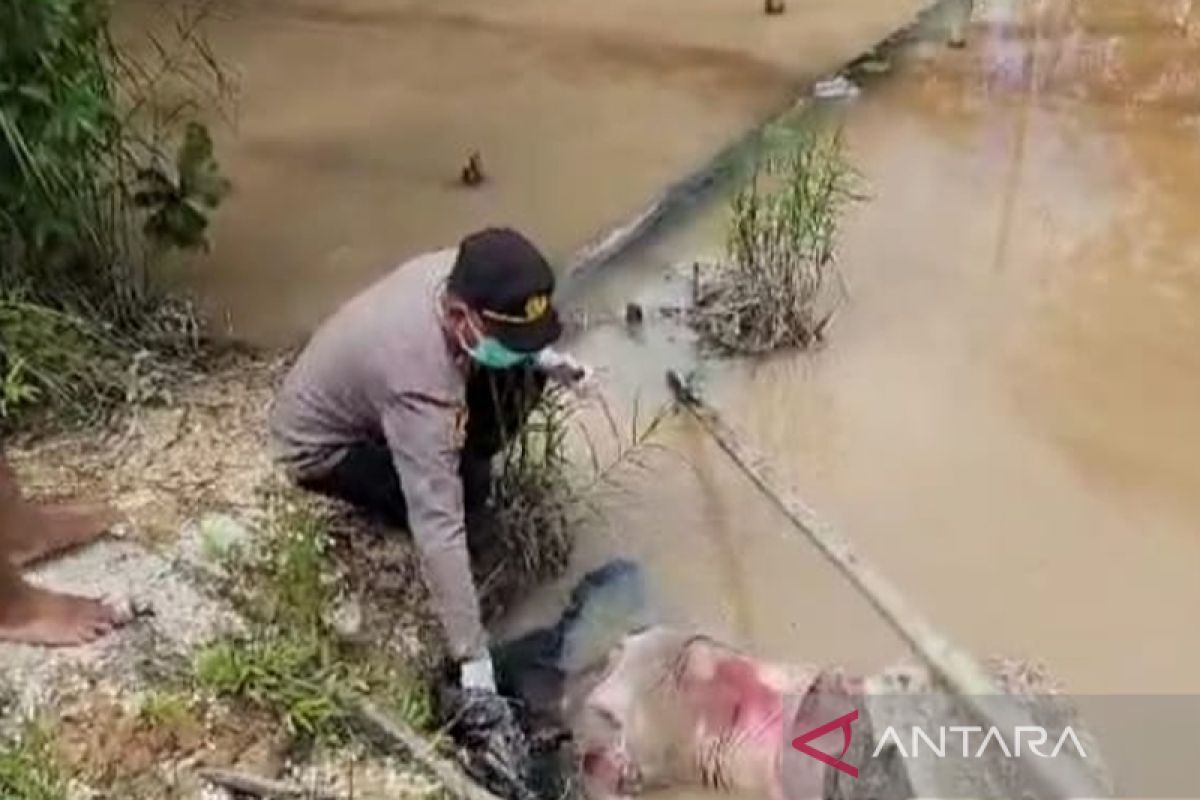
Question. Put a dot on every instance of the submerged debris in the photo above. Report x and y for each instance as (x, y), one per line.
(838, 88)
(870, 65)
(472, 173)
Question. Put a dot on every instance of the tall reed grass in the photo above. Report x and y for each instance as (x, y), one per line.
(780, 285)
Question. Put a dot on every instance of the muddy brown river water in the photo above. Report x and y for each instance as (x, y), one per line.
(1006, 417)
(354, 118)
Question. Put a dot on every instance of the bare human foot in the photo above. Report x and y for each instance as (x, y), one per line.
(29, 532)
(31, 615)
(40, 531)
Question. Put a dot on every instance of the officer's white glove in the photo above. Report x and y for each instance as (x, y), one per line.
(567, 370)
(478, 674)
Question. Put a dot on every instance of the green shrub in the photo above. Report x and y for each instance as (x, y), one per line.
(96, 184)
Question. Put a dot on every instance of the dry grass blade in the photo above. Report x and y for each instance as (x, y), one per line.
(541, 496)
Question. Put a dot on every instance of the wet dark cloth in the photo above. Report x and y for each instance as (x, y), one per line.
(494, 747)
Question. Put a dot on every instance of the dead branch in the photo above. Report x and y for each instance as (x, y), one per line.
(400, 736)
(246, 783)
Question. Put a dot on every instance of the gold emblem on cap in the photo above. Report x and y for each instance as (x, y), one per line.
(536, 306)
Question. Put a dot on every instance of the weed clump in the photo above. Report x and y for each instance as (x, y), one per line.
(541, 496)
(293, 678)
(166, 709)
(779, 286)
(535, 501)
(291, 663)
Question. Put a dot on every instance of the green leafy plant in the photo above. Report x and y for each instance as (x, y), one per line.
(85, 129)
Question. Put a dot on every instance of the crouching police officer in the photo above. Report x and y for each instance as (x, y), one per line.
(401, 398)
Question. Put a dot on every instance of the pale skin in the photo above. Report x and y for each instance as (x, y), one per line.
(671, 709)
(668, 709)
(461, 324)
(31, 532)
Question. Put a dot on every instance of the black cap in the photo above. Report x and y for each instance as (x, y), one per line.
(503, 277)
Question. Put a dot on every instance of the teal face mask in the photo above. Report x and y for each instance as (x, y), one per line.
(491, 353)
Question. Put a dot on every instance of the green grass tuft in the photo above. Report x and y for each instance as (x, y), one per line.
(166, 709)
(291, 663)
(29, 768)
(296, 679)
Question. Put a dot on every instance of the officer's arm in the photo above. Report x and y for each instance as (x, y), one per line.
(421, 434)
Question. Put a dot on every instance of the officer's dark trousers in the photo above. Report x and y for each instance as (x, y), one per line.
(498, 402)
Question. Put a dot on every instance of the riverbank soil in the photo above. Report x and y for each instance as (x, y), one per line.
(355, 117)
